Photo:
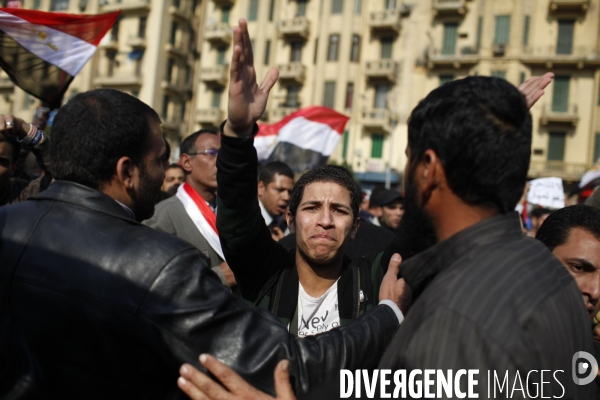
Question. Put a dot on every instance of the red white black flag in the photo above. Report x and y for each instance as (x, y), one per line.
(43, 51)
(303, 140)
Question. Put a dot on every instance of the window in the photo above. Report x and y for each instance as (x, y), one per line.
(332, 52)
(301, 11)
(526, 30)
(564, 44)
(225, 11)
(316, 51)
(188, 74)
(345, 145)
(114, 31)
(194, 6)
(376, 145)
(253, 10)
(556, 146)
(296, 51)
(390, 4)
(596, 147)
(36, 4)
(165, 107)
(176, 3)
(521, 77)
(267, 52)
(27, 100)
(135, 93)
(173, 36)
(450, 35)
(221, 55)
(182, 109)
(271, 10)
(560, 94)
(479, 28)
(445, 79)
(291, 97)
(355, 49)
(349, 95)
(357, 6)
(142, 27)
(216, 97)
(337, 6)
(59, 5)
(329, 95)
(381, 94)
(502, 34)
(170, 68)
(112, 62)
(499, 73)
(386, 47)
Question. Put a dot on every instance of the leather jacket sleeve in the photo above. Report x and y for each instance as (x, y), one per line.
(192, 313)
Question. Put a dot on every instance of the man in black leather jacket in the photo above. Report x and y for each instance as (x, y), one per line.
(109, 306)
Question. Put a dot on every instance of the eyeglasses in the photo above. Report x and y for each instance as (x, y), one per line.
(207, 152)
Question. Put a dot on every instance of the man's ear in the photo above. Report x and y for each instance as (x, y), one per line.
(430, 174)
(125, 171)
(261, 188)
(289, 218)
(185, 160)
(355, 228)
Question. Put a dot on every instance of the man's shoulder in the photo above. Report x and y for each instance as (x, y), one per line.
(171, 204)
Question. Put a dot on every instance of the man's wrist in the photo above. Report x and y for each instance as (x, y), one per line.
(227, 130)
(395, 308)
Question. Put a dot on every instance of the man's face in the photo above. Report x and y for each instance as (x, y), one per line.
(202, 168)
(151, 175)
(580, 254)
(323, 222)
(275, 196)
(392, 214)
(173, 178)
(7, 165)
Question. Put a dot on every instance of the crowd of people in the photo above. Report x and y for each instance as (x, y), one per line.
(124, 276)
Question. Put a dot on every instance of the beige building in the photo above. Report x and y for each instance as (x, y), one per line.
(371, 60)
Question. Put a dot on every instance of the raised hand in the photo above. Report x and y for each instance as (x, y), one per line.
(247, 100)
(12, 127)
(533, 88)
(395, 289)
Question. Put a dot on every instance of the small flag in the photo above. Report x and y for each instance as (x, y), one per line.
(303, 140)
(43, 51)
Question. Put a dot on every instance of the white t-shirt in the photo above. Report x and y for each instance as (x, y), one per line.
(317, 314)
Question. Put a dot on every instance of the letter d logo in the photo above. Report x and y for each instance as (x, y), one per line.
(589, 368)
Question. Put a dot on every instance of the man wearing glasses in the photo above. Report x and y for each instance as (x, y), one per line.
(190, 214)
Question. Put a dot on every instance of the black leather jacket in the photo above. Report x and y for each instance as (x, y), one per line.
(111, 308)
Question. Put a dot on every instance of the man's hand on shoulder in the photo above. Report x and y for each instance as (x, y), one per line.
(247, 100)
(394, 289)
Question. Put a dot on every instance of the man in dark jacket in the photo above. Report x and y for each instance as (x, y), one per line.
(111, 308)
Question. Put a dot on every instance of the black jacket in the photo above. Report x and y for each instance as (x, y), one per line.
(109, 306)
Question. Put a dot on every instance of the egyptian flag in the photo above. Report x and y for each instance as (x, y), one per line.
(303, 140)
(43, 51)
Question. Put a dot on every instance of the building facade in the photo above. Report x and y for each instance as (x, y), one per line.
(371, 60)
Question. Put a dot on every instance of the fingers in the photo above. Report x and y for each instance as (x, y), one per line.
(224, 374)
(247, 43)
(394, 265)
(270, 79)
(283, 387)
(197, 385)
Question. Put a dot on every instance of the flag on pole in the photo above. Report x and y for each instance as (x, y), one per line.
(43, 51)
(303, 140)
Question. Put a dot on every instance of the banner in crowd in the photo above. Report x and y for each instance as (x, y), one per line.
(546, 192)
(43, 51)
(303, 140)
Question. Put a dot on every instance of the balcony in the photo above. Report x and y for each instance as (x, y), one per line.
(218, 33)
(449, 7)
(126, 6)
(387, 21)
(171, 124)
(170, 87)
(550, 56)
(381, 70)
(119, 80)
(109, 44)
(465, 58)
(6, 84)
(564, 170)
(297, 28)
(294, 71)
(209, 116)
(224, 3)
(217, 75)
(376, 118)
(136, 42)
(179, 12)
(570, 116)
(175, 50)
(557, 6)
(279, 113)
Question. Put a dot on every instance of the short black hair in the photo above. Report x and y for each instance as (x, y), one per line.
(189, 143)
(556, 229)
(175, 166)
(93, 130)
(327, 173)
(480, 128)
(268, 171)
(539, 212)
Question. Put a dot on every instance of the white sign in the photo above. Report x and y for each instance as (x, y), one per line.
(546, 192)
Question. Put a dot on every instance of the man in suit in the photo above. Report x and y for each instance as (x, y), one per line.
(198, 160)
